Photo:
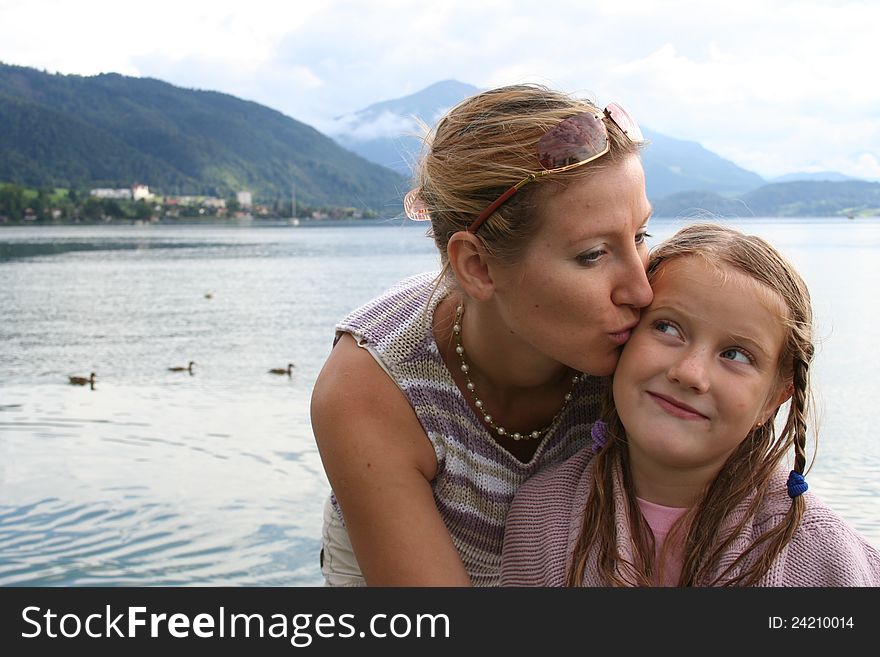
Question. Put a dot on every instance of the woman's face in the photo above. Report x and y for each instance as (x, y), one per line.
(576, 293)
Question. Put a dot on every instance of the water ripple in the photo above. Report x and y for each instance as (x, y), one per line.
(55, 543)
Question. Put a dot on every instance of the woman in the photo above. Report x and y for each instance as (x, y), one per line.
(442, 396)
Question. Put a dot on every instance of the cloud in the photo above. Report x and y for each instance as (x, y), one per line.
(775, 86)
(385, 124)
(869, 166)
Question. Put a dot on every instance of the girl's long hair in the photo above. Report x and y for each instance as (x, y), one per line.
(744, 479)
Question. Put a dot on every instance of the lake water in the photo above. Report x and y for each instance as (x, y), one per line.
(212, 478)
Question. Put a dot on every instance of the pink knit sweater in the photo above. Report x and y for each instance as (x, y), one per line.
(546, 516)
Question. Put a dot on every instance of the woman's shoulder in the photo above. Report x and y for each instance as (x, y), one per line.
(353, 398)
(412, 289)
(353, 383)
(406, 307)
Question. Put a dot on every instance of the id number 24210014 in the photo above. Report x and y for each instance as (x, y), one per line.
(810, 623)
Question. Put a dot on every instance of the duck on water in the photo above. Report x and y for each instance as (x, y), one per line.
(82, 380)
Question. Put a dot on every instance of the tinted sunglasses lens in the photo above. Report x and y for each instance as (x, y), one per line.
(578, 138)
(625, 122)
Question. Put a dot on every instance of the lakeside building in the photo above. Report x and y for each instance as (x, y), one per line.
(139, 192)
(106, 192)
(134, 193)
(245, 199)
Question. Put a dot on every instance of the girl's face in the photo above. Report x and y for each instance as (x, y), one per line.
(700, 371)
(575, 295)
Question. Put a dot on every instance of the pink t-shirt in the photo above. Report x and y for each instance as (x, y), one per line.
(660, 519)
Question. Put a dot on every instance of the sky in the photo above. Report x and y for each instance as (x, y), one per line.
(776, 86)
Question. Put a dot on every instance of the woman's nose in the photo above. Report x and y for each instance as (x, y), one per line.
(632, 287)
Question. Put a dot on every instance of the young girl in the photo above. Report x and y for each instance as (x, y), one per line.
(684, 484)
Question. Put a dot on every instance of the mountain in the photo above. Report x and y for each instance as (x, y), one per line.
(682, 177)
(429, 103)
(833, 176)
(803, 198)
(111, 130)
(675, 165)
(815, 198)
(387, 133)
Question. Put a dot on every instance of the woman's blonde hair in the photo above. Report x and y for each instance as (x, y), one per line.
(746, 474)
(485, 145)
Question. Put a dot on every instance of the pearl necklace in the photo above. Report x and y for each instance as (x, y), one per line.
(487, 418)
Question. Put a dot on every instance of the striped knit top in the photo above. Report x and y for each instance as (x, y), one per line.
(476, 477)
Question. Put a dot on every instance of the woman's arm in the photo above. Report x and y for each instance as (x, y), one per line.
(380, 463)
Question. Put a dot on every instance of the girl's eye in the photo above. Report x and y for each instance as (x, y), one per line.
(667, 328)
(737, 355)
(642, 237)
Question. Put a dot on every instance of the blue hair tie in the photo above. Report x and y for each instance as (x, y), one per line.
(796, 484)
(599, 434)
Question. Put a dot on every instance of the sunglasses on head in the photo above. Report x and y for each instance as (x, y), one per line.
(571, 143)
(577, 140)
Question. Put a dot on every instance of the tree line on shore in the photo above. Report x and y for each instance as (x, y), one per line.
(48, 205)
(19, 204)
